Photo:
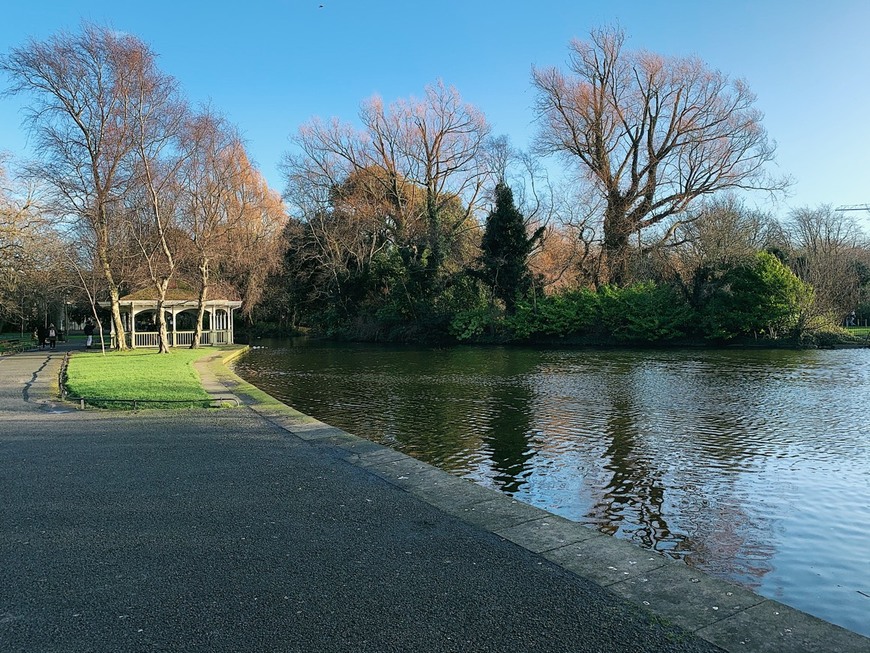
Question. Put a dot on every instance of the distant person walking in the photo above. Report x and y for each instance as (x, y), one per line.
(89, 332)
(52, 336)
(41, 334)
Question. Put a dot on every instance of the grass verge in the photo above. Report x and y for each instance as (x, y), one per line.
(156, 380)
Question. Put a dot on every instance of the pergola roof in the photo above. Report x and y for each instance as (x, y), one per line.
(144, 299)
(181, 294)
(148, 294)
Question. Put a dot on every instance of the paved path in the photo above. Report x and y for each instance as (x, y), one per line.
(259, 529)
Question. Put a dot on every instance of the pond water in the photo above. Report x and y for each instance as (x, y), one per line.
(751, 465)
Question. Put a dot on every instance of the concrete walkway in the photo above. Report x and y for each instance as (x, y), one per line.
(259, 529)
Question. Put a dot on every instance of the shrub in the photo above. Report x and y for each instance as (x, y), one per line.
(568, 314)
(471, 324)
(760, 296)
(645, 312)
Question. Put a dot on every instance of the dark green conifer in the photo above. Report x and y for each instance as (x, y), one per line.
(505, 250)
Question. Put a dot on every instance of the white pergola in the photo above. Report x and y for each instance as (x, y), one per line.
(219, 313)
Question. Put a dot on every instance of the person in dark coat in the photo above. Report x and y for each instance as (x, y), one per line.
(89, 332)
(41, 334)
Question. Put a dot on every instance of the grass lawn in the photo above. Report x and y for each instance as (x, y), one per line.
(861, 332)
(161, 380)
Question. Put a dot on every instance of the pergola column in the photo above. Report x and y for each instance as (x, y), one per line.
(131, 327)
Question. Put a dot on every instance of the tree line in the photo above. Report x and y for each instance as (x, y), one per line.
(416, 222)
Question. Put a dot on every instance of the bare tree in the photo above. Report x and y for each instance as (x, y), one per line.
(21, 224)
(254, 242)
(830, 252)
(29, 244)
(650, 133)
(724, 231)
(441, 148)
(528, 178)
(564, 255)
(80, 88)
(232, 219)
(422, 160)
(157, 115)
(20, 217)
(80, 256)
(208, 178)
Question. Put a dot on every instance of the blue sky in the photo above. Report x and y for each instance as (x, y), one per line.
(270, 66)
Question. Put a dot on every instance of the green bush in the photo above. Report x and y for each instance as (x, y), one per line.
(568, 314)
(473, 323)
(762, 296)
(645, 312)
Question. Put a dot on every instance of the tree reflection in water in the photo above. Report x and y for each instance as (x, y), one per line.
(507, 436)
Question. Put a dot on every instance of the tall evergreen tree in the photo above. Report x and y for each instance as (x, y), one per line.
(505, 249)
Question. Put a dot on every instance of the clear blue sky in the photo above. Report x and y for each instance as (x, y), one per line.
(270, 66)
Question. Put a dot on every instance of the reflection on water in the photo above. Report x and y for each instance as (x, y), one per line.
(751, 465)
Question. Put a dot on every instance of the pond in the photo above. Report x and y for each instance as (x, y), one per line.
(753, 466)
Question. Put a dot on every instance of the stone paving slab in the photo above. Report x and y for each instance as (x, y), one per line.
(606, 560)
(358, 446)
(420, 481)
(685, 596)
(452, 494)
(499, 513)
(382, 458)
(316, 431)
(547, 533)
(284, 417)
(771, 627)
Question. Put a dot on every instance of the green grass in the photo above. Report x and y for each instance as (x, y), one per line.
(861, 332)
(161, 380)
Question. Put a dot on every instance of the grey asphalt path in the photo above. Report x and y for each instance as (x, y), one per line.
(259, 529)
(28, 381)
